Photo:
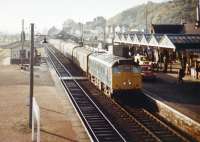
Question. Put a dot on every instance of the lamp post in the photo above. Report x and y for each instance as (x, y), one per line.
(31, 76)
(32, 61)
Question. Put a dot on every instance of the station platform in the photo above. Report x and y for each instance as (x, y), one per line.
(185, 98)
(59, 122)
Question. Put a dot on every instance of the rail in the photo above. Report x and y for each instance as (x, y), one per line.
(98, 125)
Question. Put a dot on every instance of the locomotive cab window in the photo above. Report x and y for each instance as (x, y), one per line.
(126, 68)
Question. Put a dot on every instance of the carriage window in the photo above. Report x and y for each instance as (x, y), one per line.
(136, 69)
(127, 68)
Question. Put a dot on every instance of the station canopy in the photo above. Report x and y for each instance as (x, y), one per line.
(185, 41)
(117, 38)
(169, 41)
(144, 40)
(136, 40)
(154, 40)
(130, 39)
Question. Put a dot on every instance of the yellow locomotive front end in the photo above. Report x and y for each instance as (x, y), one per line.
(126, 78)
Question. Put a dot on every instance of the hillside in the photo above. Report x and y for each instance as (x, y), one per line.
(170, 12)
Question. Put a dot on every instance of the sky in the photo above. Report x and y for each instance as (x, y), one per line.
(46, 13)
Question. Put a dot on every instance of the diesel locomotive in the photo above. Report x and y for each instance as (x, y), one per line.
(111, 74)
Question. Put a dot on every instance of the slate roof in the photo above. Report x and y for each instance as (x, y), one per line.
(167, 28)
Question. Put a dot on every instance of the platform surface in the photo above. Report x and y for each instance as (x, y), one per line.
(59, 122)
(184, 98)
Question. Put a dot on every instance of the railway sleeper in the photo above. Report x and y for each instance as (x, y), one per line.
(99, 125)
(97, 121)
(93, 115)
(107, 139)
(105, 132)
(89, 111)
(106, 135)
(158, 129)
(101, 129)
(171, 139)
(94, 119)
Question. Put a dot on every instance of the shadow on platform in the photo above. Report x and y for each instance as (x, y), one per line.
(166, 88)
(62, 137)
(46, 109)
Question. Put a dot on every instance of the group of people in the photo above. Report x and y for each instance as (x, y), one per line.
(186, 69)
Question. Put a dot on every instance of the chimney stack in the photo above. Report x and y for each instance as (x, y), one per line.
(198, 14)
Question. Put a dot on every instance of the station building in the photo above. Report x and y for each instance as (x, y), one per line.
(162, 49)
(167, 45)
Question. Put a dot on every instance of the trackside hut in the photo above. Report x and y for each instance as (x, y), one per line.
(17, 54)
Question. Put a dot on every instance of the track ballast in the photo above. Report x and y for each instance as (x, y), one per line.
(97, 124)
(137, 123)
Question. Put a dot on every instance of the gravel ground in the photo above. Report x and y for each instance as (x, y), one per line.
(4, 56)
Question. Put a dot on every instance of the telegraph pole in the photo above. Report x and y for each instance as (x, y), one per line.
(82, 34)
(104, 36)
(146, 17)
(31, 76)
(113, 32)
(81, 31)
(22, 40)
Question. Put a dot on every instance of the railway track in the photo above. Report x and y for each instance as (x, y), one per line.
(161, 130)
(136, 124)
(98, 126)
(135, 120)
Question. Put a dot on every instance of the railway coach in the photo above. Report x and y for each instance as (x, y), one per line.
(111, 74)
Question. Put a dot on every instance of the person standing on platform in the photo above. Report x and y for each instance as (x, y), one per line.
(181, 74)
(187, 69)
(197, 70)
